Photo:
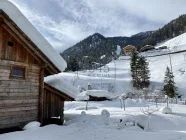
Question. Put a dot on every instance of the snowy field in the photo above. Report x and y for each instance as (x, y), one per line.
(100, 80)
(92, 126)
(118, 72)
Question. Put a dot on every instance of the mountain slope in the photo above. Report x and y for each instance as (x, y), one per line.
(97, 45)
(174, 28)
(178, 43)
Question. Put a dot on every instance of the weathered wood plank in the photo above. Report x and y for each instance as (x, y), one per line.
(18, 109)
(2, 102)
(12, 120)
(19, 124)
(1, 37)
(18, 113)
(22, 115)
(17, 86)
(20, 95)
(4, 45)
(17, 97)
(19, 90)
(13, 105)
(41, 95)
(15, 82)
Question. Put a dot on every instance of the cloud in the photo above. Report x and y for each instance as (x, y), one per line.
(65, 22)
(155, 10)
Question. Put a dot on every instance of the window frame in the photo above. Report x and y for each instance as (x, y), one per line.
(18, 67)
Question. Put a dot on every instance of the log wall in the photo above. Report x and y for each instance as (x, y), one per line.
(19, 98)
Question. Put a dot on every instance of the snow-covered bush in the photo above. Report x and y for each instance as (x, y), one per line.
(121, 125)
(126, 121)
(105, 115)
(148, 112)
(141, 121)
(83, 113)
(166, 110)
(31, 126)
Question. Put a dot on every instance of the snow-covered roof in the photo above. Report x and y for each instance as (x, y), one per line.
(129, 46)
(58, 82)
(22, 22)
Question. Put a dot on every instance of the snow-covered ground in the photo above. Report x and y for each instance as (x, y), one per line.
(117, 73)
(101, 80)
(92, 125)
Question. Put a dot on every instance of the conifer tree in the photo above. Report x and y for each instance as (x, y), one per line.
(169, 87)
(143, 73)
(72, 64)
(133, 68)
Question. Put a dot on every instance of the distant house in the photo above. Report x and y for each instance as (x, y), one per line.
(146, 48)
(25, 59)
(162, 47)
(129, 49)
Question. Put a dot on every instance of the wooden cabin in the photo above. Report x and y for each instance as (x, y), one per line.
(24, 97)
(147, 48)
(129, 49)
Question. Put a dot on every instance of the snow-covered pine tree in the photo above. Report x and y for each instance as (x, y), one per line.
(143, 73)
(169, 87)
(133, 68)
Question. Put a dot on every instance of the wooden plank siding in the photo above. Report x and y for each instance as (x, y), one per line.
(53, 104)
(19, 98)
(16, 52)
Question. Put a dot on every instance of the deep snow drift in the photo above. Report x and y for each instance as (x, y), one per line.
(94, 125)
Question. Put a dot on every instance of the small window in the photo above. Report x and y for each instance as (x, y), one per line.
(17, 72)
(10, 43)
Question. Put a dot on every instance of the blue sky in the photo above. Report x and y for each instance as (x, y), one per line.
(65, 22)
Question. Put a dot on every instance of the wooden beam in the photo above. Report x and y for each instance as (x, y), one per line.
(41, 96)
(1, 35)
